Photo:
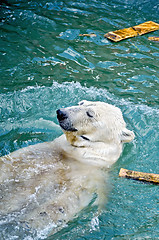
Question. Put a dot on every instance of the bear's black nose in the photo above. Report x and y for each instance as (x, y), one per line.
(61, 115)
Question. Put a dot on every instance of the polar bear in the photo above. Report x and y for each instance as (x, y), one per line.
(49, 183)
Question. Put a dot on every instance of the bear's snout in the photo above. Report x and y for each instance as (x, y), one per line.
(61, 115)
(65, 120)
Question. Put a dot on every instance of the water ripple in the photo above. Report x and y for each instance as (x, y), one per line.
(77, 57)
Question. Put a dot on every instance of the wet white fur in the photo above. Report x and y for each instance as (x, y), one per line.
(49, 183)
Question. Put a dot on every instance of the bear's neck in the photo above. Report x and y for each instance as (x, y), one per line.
(95, 153)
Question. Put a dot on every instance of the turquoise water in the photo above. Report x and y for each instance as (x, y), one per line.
(45, 65)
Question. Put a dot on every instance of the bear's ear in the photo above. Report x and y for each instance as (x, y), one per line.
(82, 102)
(127, 135)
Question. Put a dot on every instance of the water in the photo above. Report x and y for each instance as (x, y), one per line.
(45, 65)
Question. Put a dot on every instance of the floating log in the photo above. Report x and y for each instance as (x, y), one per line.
(122, 34)
(146, 27)
(125, 33)
(153, 39)
(88, 35)
(142, 176)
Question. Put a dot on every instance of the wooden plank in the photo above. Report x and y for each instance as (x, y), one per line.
(141, 176)
(146, 27)
(88, 35)
(125, 33)
(122, 34)
(154, 39)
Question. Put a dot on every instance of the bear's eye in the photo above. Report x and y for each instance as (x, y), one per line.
(81, 103)
(90, 114)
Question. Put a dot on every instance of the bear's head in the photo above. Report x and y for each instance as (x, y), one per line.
(92, 122)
